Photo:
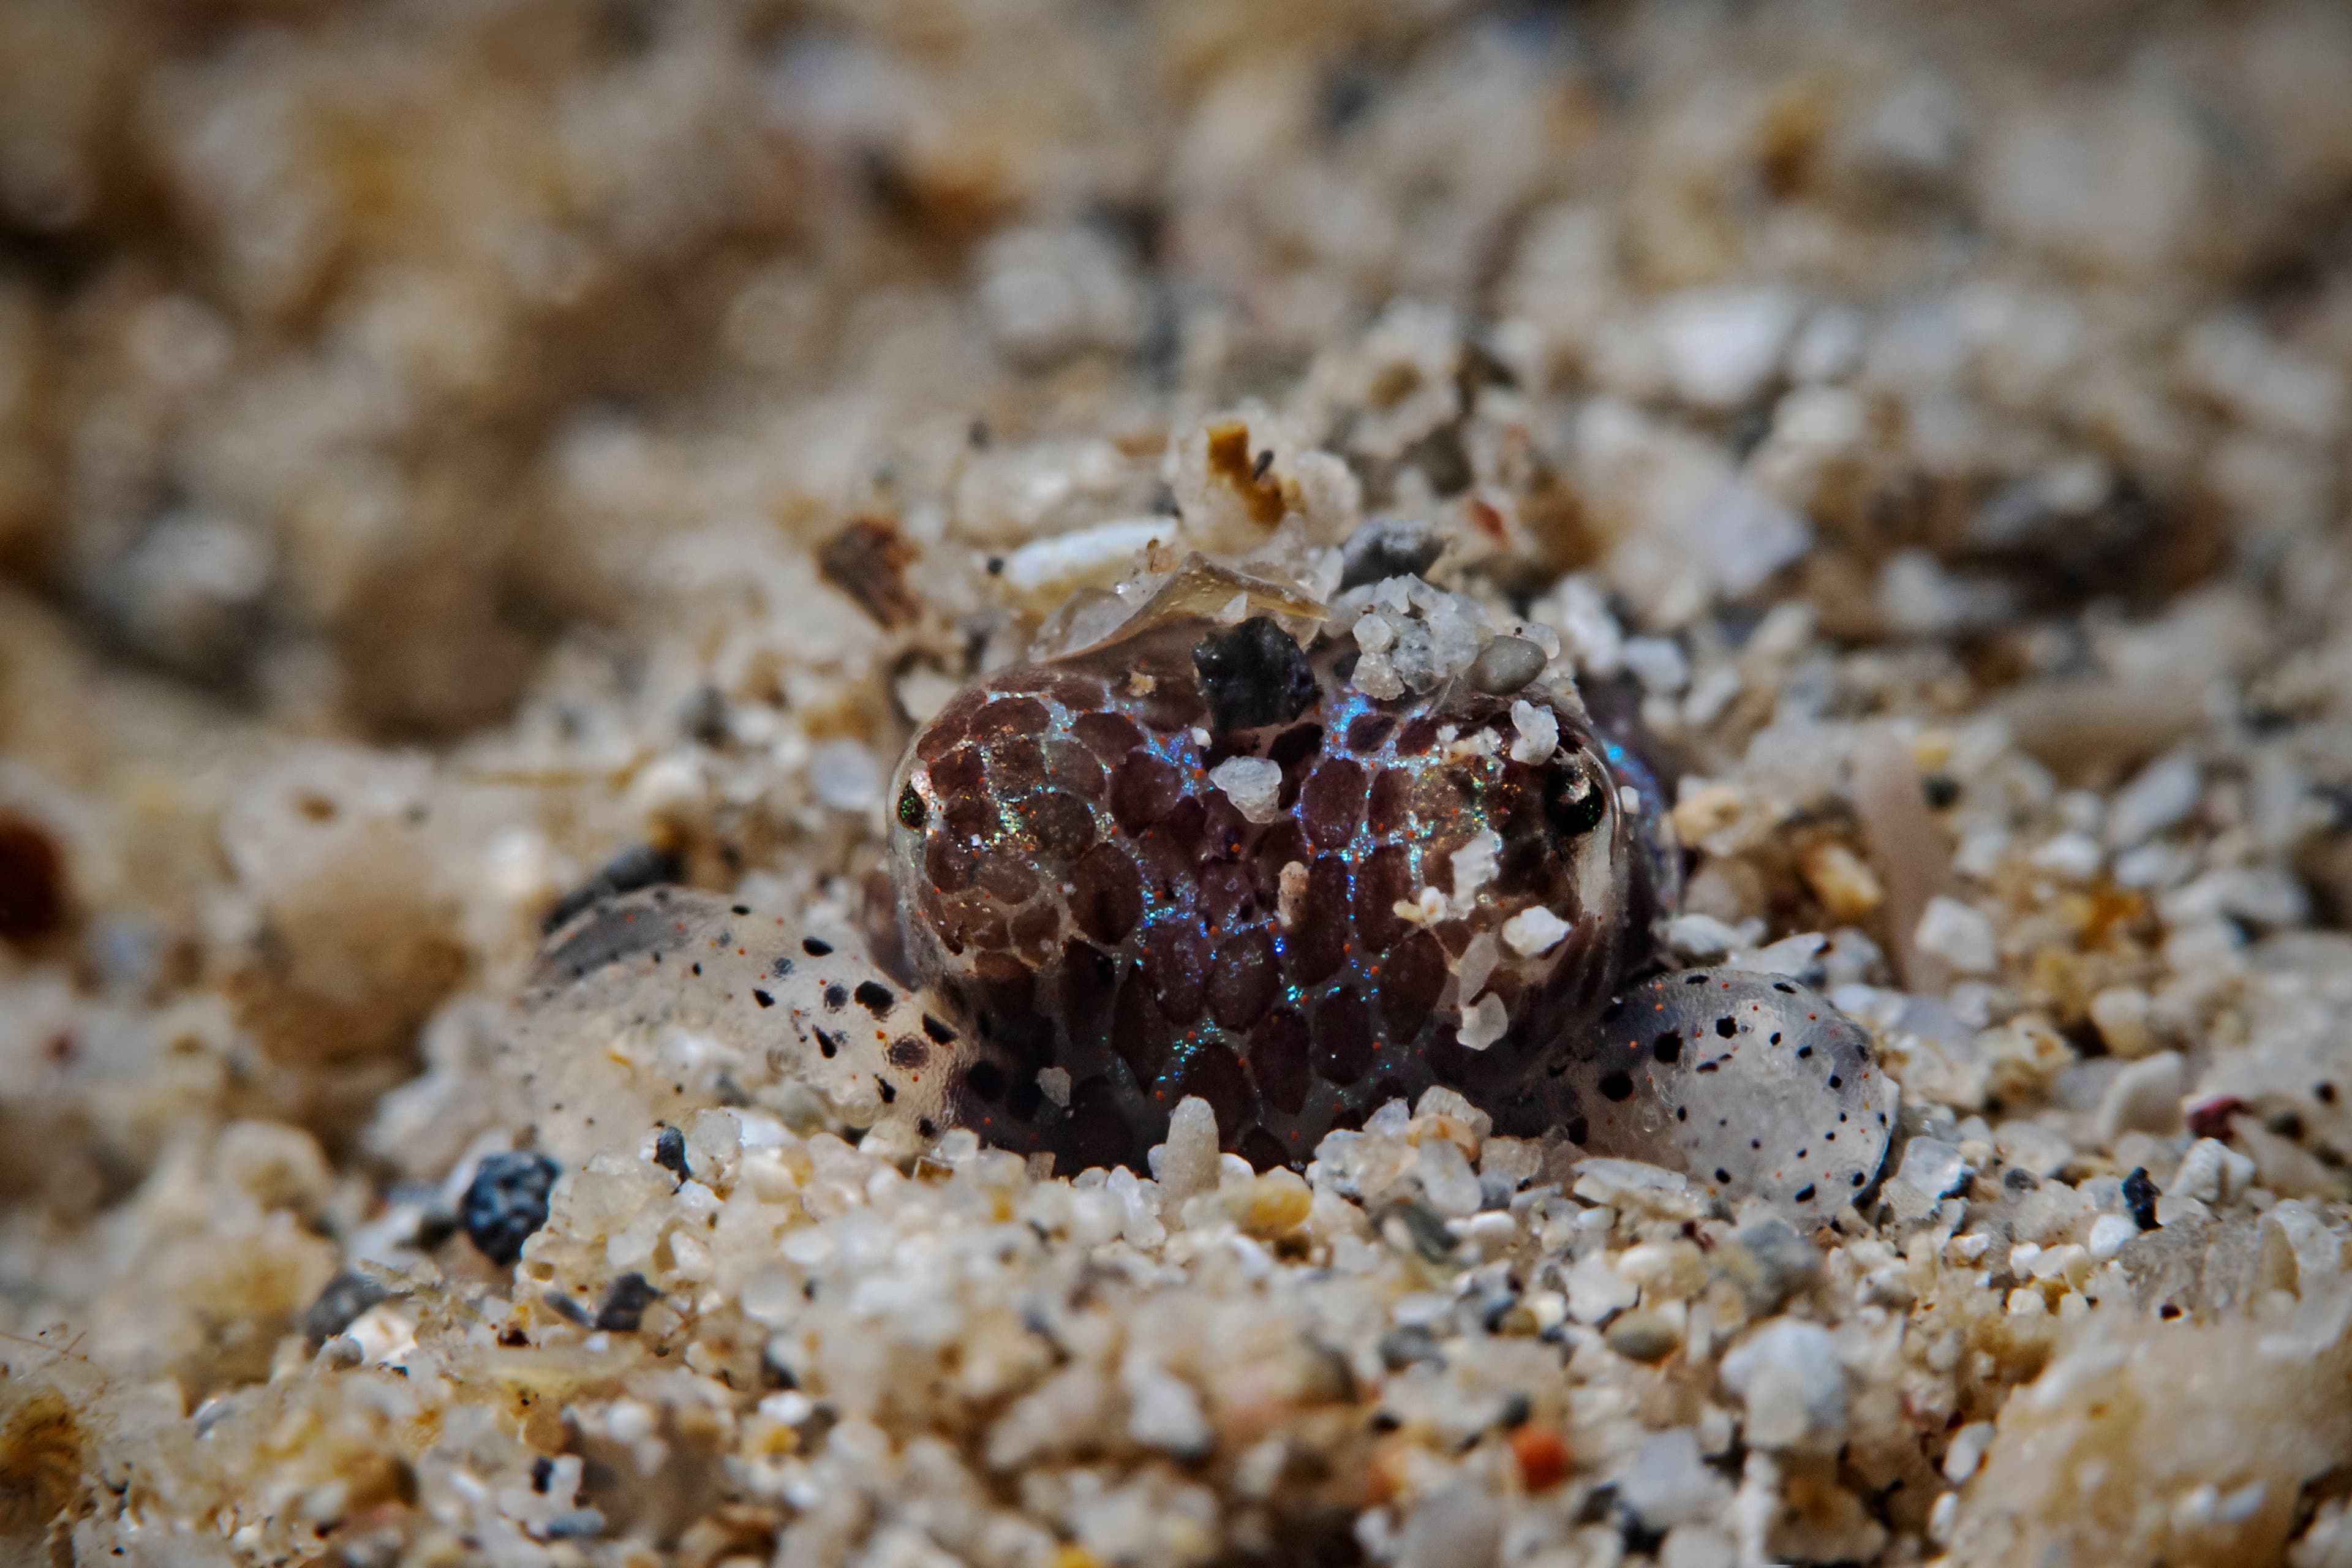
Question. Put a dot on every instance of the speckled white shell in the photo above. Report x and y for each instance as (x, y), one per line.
(654, 1004)
(1747, 1082)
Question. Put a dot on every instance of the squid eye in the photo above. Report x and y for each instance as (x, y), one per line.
(1573, 800)
(910, 807)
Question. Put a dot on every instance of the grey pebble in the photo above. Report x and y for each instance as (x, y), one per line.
(1389, 547)
(1643, 1336)
(1505, 665)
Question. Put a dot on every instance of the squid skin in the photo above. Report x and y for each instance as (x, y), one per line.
(1194, 860)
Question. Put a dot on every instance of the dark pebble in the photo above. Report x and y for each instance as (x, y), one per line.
(2211, 1118)
(578, 1525)
(1401, 1347)
(867, 561)
(437, 1225)
(2140, 1196)
(32, 882)
(669, 1153)
(703, 717)
(1252, 675)
(1420, 1228)
(625, 1300)
(339, 1305)
(639, 866)
(1389, 547)
(506, 1202)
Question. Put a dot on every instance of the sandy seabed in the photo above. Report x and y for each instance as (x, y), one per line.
(448, 447)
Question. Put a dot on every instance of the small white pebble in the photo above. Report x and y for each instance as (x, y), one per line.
(1789, 1373)
(844, 775)
(2145, 1097)
(923, 691)
(1936, 1170)
(1474, 866)
(1714, 692)
(1426, 908)
(2108, 1234)
(1469, 748)
(1980, 852)
(1696, 1546)
(1055, 1084)
(2174, 1207)
(1596, 1290)
(2238, 1506)
(1706, 937)
(2073, 856)
(1376, 676)
(1942, 1517)
(2026, 1302)
(2164, 792)
(1532, 931)
(1658, 663)
(1063, 560)
(1290, 893)
(1163, 1410)
(2030, 1144)
(1539, 732)
(2068, 1262)
(668, 784)
(1794, 956)
(1959, 935)
(1253, 783)
(1187, 1163)
(2212, 1173)
(1478, 965)
(628, 1420)
(1668, 1483)
(1446, 1179)
(1493, 1228)
(689, 1258)
(806, 1246)
(1646, 1264)
(1548, 1308)
(518, 865)
(1258, 1471)
(1970, 1248)
(1459, 1522)
(1419, 1309)
(788, 1407)
(383, 1333)
(1482, 1023)
(1967, 1451)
